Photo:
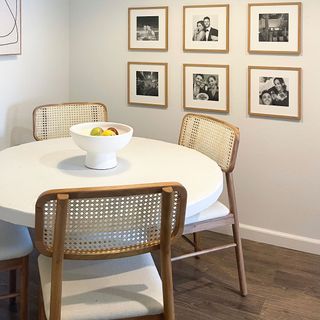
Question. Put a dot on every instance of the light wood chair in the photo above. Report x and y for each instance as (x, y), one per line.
(95, 245)
(218, 140)
(54, 120)
(15, 247)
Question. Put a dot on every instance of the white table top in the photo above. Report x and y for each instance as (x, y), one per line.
(30, 169)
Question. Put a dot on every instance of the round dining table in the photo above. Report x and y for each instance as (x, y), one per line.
(29, 169)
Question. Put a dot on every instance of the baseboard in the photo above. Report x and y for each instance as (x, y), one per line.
(277, 238)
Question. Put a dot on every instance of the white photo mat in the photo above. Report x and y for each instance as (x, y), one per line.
(162, 42)
(222, 71)
(10, 27)
(293, 83)
(133, 97)
(219, 18)
(294, 32)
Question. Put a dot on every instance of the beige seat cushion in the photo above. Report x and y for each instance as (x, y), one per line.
(217, 210)
(107, 289)
(15, 241)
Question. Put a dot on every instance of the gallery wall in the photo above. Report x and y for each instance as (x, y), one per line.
(276, 176)
(40, 75)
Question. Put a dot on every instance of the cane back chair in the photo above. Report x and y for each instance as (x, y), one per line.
(218, 140)
(15, 247)
(117, 227)
(54, 120)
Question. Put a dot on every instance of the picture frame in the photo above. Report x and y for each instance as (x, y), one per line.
(206, 28)
(10, 28)
(274, 92)
(274, 28)
(148, 83)
(206, 87)
(148, 28)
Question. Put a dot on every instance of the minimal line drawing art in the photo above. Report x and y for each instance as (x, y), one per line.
(10, 26)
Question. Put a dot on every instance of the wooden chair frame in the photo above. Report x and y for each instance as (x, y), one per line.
(63, 105)
(12, 265)
(230, 219)
(58, 252)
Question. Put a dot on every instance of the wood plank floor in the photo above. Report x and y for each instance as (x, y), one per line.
(283, 284)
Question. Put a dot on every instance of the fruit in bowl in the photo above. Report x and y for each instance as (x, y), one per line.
(101, 141)
(97, 131)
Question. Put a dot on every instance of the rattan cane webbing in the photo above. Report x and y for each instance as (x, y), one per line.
(54, 121)
(109, 225)
(212, 137)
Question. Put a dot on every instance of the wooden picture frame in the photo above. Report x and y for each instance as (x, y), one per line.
(211, 93)
(148, 83)
(267, 100)
(274, 28)
(10, 28)
(148, 28)
(196, 19)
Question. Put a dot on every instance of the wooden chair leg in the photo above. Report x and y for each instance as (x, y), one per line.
(240, 260)
(12, 289)
(196, 241)
(24, 288)
(41, 312)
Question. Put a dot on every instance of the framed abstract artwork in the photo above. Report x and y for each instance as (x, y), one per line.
(206, 87)
(148, 28)
(274, 92)
(148, 83)
(10, 27)
(274, 28)
(206, 28)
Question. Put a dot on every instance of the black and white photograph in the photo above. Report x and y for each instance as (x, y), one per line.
(148, 83)
(10, 27)
(206, 87)
(274, 28)
(274, 92)
(148, 28)
(206, 28)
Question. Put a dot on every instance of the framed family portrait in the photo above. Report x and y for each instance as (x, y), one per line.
(148, 83)
(148, 28)
(206, 87)
(275, 92)
(10, 27)
(274, 28)
(206, 28)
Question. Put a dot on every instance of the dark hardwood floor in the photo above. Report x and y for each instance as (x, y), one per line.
(283, 284)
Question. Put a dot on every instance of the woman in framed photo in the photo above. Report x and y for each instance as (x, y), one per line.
(213, 89)
(279, 93)
(266, 98)
(199, 33)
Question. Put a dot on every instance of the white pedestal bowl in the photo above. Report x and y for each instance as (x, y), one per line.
(101, 150)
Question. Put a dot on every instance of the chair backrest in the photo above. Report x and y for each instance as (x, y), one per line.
(216, 139)
(54, 120)
(107, 222)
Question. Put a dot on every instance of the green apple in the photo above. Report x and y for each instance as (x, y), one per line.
(96, 131)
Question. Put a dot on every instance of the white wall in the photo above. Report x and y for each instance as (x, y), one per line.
(277, 175)
(40, 75)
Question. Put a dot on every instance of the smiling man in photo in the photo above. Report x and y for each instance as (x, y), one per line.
(211, 33)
